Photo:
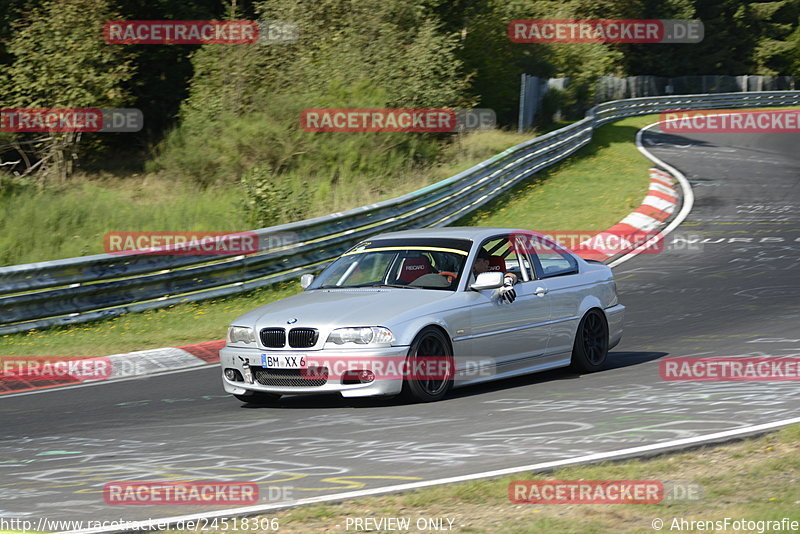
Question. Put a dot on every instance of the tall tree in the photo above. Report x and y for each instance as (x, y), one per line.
(778, 26)
(163, 72)
(60, 60)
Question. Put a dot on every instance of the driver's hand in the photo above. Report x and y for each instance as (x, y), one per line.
(507, 292)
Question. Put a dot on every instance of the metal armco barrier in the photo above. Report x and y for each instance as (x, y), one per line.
(45, 294)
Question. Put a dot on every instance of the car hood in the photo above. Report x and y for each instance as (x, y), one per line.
(346, 307)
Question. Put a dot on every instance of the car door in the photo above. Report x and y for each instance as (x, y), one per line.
(559, 279)
(508, 336)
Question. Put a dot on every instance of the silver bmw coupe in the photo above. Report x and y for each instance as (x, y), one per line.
(419, 312)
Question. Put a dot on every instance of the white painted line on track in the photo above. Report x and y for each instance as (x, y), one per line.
(544, 466)
(688, 194)
(655, 448)
(686, 207)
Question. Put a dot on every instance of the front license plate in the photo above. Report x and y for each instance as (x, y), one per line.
(283, 361)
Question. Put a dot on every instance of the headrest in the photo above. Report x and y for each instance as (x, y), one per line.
(497, 264)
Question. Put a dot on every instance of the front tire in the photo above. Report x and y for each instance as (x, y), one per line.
(590, 349)
(433, 346)
(259, 397)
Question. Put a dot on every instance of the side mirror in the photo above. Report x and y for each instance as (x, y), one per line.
(491, 280)
(306, 280)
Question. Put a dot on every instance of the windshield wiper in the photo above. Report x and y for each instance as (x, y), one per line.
(382, 285)
(369, 285)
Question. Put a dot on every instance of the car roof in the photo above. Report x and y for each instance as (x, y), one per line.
(473, 233)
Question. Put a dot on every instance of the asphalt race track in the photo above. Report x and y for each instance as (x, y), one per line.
(718, 298)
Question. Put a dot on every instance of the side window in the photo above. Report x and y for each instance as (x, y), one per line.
(504, 258)
(552, 261)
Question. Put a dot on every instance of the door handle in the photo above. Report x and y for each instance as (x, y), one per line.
(541, 291)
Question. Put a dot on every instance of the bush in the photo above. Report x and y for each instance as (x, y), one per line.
(272, 198)
(219, 151)
(336, 167)
(241, 122)
(13, 185)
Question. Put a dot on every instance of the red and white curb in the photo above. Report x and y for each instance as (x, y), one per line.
(21, 374)
(643, 223)
(657, 448)
(639, 226)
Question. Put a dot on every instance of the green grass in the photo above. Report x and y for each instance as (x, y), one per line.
(592, 190)
(69, 220)
(609, 172)
(754, 479)
(176, 325)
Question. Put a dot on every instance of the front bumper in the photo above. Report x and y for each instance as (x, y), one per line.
(237, 358)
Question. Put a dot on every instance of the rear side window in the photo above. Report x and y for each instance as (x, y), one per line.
(552, 260)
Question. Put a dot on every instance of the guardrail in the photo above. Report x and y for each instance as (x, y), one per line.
(45, 294)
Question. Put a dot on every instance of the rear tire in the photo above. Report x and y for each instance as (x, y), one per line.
(259, 398)
(430, 342)
(590, 349)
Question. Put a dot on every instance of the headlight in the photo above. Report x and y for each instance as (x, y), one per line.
(361, 335)
(241, 334)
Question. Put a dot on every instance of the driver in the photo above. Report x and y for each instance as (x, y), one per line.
(481, 265)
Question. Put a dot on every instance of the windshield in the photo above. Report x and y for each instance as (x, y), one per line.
(428, 265)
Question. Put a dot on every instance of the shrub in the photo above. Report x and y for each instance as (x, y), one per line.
(272, 198)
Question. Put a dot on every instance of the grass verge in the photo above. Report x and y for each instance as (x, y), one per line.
(591, 190)
(755, 480)
(70, 219)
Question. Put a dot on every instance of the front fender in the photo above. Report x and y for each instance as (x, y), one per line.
(405, 333)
